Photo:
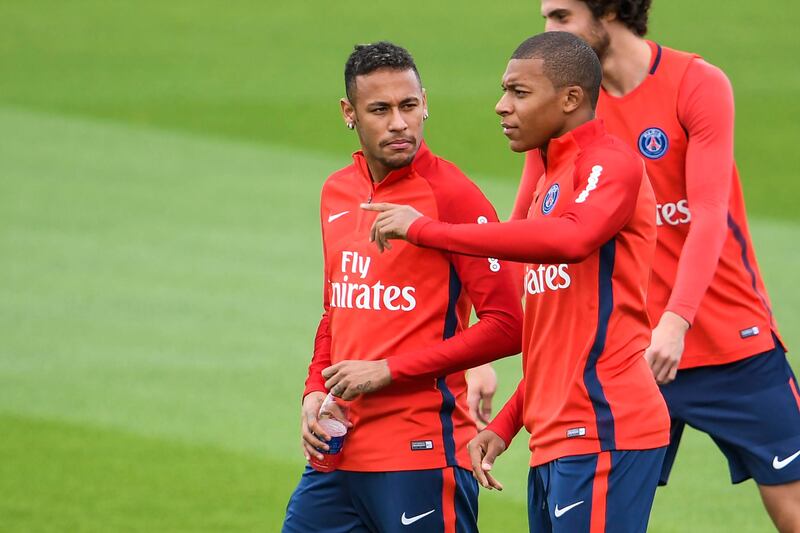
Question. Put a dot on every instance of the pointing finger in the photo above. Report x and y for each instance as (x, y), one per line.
(380, 206)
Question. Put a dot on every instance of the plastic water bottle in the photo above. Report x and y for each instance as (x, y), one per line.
(333, 418)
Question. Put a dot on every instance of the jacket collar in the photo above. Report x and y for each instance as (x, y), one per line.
(565, 147)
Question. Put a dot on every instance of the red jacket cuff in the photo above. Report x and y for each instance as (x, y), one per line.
(686, 312)
(314, 385)
(413, 234)
(394, 363)
(503, 430)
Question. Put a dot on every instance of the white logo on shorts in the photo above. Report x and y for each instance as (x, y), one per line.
(408, 521)
(559, 512)
(778, 464)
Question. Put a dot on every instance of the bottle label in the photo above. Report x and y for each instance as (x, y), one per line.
(337, 431)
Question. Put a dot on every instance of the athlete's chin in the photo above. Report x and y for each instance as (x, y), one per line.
(399, 160)
(519, 145)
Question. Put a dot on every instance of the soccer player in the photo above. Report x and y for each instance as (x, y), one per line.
(404, 465)
(715, 349)
(598, 424)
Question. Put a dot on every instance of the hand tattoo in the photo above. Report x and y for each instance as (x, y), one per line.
(364, 387)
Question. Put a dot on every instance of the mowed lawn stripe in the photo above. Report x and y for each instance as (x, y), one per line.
(157, 283)
(78, 478)
(167, 287)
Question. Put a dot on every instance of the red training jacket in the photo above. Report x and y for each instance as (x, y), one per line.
(411, 306)
(680, 119)
(589, 242)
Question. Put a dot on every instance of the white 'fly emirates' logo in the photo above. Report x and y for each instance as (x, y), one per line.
(673, 213)
(547, 277)
(354, 295)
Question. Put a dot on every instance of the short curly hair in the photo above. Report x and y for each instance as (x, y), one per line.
(367, 58)
(632, 13)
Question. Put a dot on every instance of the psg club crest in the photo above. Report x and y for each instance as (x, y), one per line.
(550, 199)
(653, 143)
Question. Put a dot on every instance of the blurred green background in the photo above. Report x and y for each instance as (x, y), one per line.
(160, 166)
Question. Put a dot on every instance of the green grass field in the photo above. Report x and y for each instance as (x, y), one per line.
(160, 167)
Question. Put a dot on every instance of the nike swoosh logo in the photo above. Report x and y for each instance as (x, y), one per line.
(559, 512)
(408, 521)
(331, 218)
(777, 464)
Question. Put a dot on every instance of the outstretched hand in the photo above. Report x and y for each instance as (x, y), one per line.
(392, 223)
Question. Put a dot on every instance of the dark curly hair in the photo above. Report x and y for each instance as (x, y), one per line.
(367, 58)
(632, 13)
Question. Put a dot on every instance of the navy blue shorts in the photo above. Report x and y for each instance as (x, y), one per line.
(443, 500)
(609, 491)
(750, 408)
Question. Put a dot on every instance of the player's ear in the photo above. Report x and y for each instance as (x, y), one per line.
(348, 113)
(424, 103)
(609, 16)
(572, 98)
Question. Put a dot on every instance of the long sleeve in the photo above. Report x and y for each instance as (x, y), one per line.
(532, 172)
(706, 110)
(321, 357)
(491, 288)
(592, 219)
(509, 421)
(532, 176)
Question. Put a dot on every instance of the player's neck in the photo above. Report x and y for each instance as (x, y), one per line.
(377, 171)
(625, 63)
(575, 120)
